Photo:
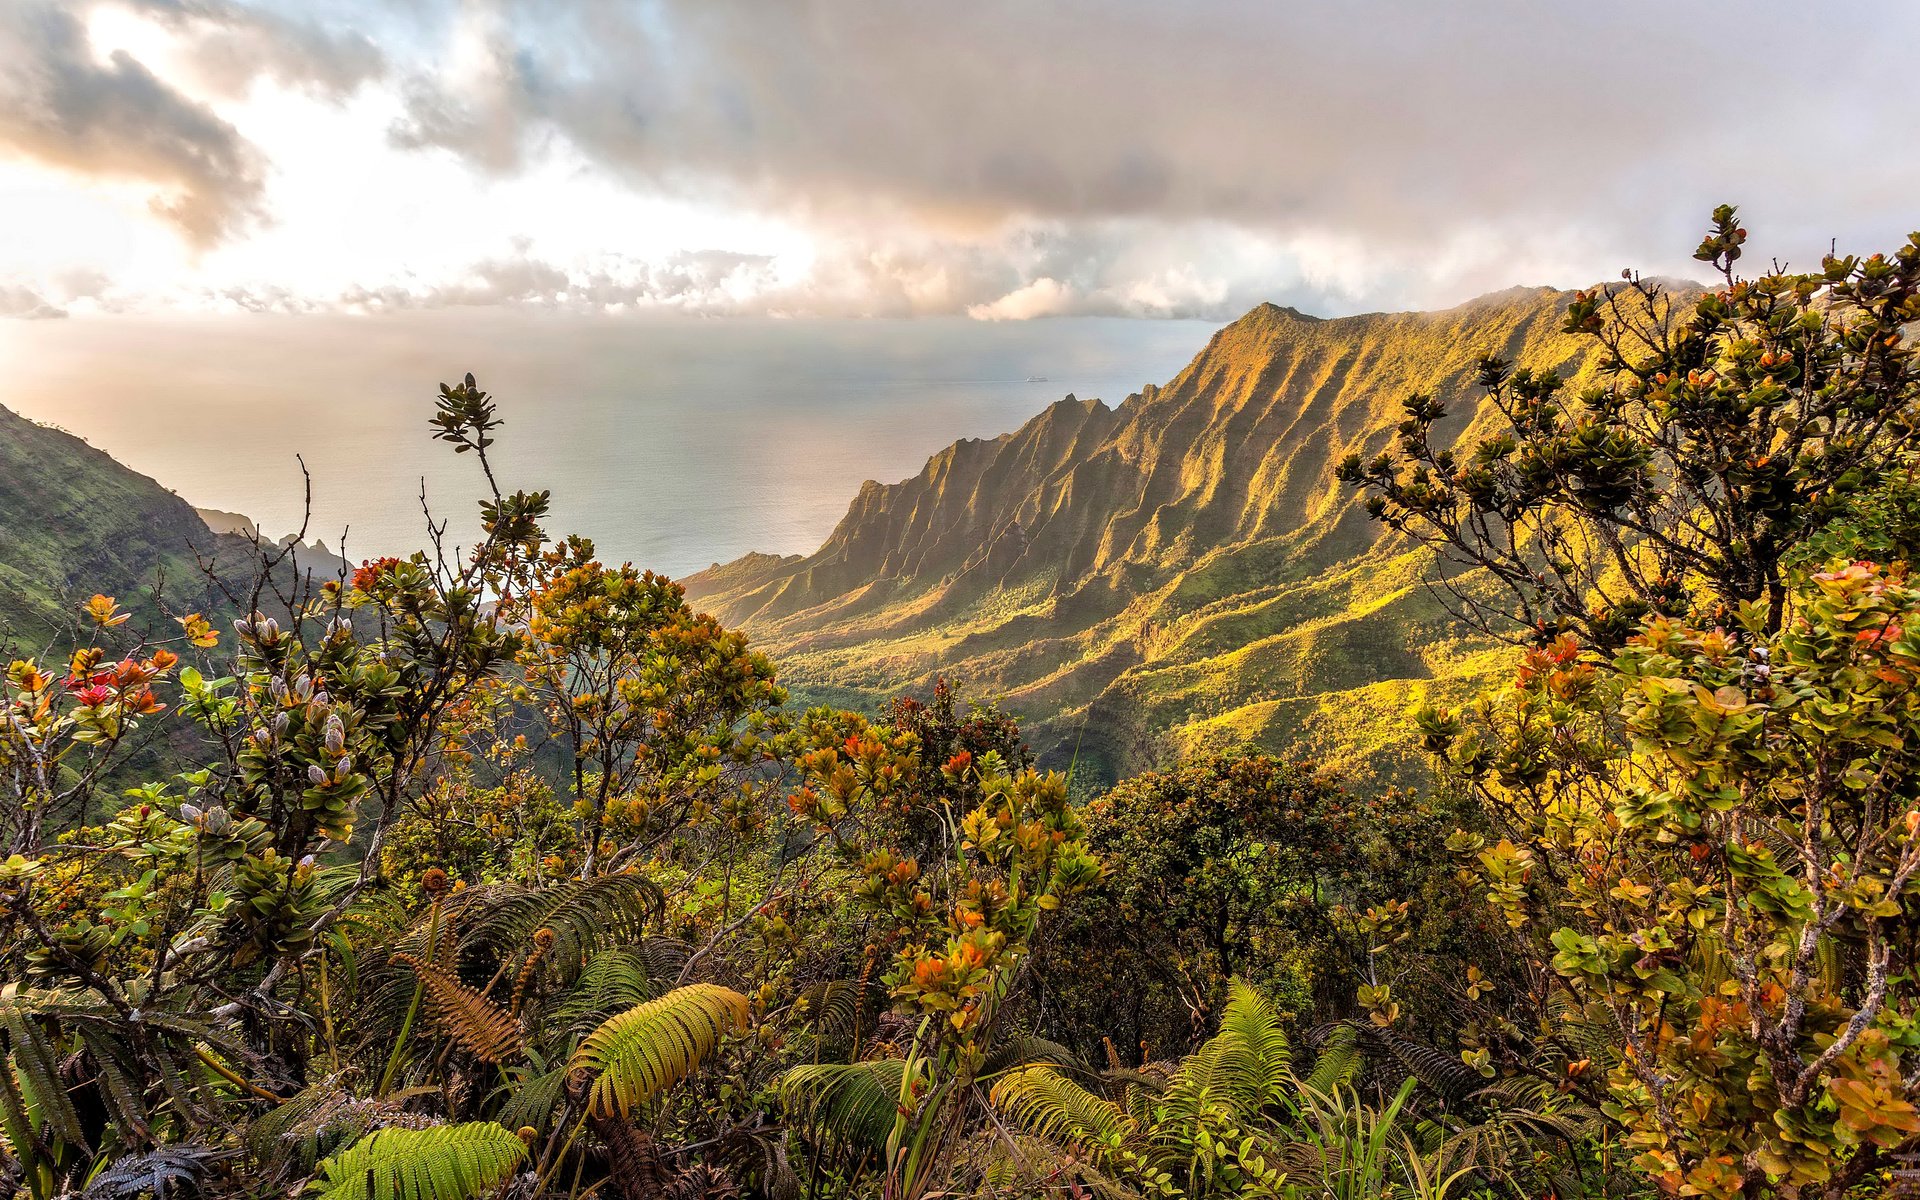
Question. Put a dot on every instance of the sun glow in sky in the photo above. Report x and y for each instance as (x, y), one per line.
(348, 214)
(1001, 160)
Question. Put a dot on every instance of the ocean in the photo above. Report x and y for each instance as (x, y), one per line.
(673, 442)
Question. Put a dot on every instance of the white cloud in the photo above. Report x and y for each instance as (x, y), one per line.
(1044, 297)
(1001, 159)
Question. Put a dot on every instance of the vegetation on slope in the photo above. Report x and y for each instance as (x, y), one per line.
(1180, 572)
(77, 522)
(516, 876)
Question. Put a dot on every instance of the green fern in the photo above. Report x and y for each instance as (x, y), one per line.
(585, 917)
(855, 1103)
(841, 1012)
(1025, 1050)
(615, 980)
(1338, 1061)
(1247, 1066)
(532, 1096)
(646, 1050)
(446, 1162)
(1048, 1104)
(291, 1137)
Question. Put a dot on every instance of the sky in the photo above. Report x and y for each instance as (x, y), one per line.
(994, 159)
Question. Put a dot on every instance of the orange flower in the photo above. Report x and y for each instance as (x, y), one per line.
(105, 612)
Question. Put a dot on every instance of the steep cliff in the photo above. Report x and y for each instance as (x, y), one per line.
(1180, 569)
(73, 521)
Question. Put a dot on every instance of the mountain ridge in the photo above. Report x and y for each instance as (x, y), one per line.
(1180, 564)
(74, 521)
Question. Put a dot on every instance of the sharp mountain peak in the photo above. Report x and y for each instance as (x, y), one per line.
(1100, 553)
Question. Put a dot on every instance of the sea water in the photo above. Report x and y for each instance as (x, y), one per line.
(673, 442)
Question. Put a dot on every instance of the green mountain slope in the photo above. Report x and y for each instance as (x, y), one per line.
(74, 522)
(1183, 568)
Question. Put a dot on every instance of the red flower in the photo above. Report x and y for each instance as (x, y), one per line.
(368, 574)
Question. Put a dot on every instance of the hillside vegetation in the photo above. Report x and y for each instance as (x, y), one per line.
(1183, 569)
(73, 522)
(512, 875)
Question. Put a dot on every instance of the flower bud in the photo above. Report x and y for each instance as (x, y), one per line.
(316, 775)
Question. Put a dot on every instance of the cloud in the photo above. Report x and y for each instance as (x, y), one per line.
(713, 281)
(1000, 158)
(1397, 122)
(1017, 275)
(63, 107)
(25, 302)
(228, 45)
(1044, 297)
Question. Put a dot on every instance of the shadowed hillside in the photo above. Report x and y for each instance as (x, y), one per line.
(1181, 567)
(73, 521)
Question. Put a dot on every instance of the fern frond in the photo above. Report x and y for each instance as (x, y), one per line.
(647, 1049)
(303, 1129)
(1026, 1051)
(1248, 1065)
(842, 1010)
(475, 1023)
(614, 981)
(166, 1171)
(586, 916)
(1011, 1164)
(1337, 1061)
(1443, 1074)
(533, 1097)
(1049, 1105)
(702, 1181)
(1256, 1045)
(856, 1103)
(1587, 1030)
(1505, 1140)
(443, 1162)
(36, 1065)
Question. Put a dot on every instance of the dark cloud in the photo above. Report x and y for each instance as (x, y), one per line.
(1402, 122)
(62, 106)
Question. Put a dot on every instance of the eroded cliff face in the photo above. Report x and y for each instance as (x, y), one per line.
(1180, 570)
